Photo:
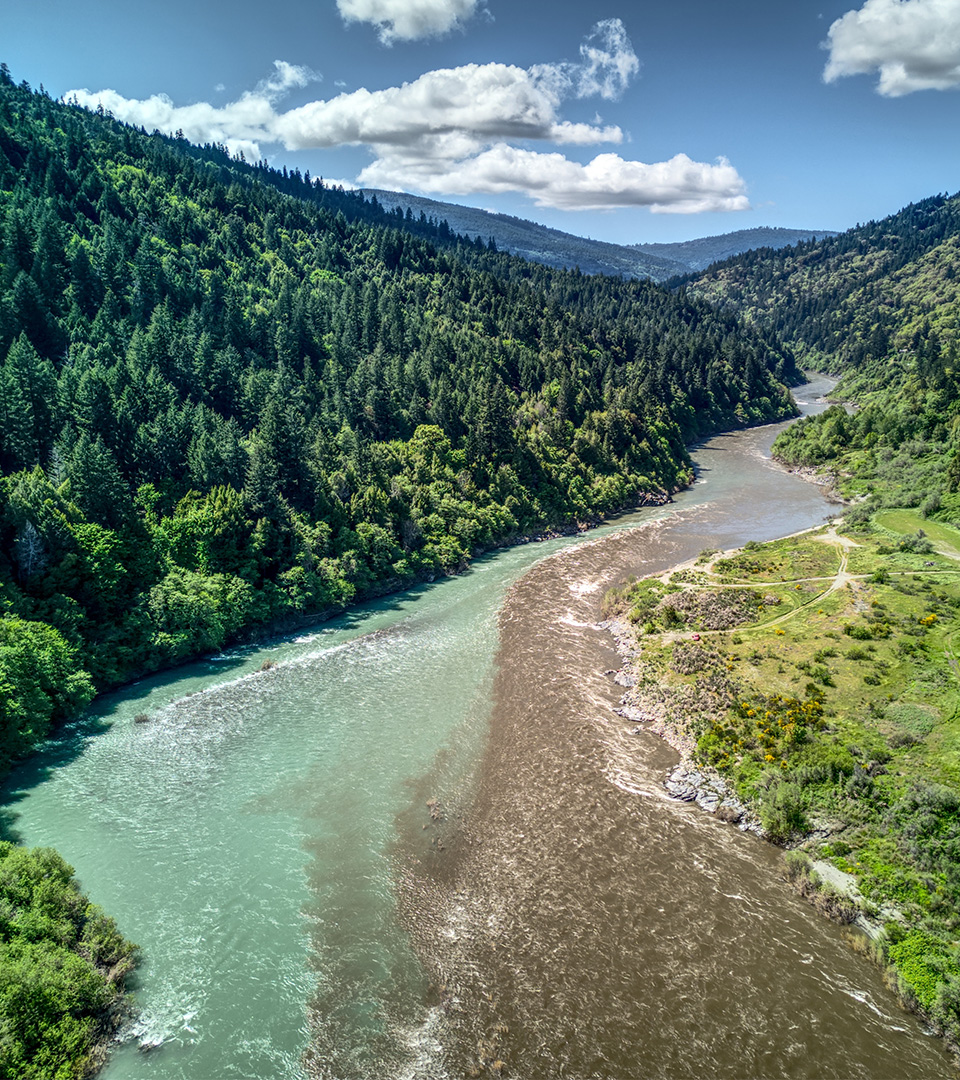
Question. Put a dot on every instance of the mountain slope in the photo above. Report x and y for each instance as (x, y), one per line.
(701, 253)
(872, 291)
(553, 247)
(879, 304)
(232, 396)
(537, 242)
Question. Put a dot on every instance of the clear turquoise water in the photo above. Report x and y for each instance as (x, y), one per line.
(247, 835)
(243, 836)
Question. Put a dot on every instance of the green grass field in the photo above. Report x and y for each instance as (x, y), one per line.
(819, 675)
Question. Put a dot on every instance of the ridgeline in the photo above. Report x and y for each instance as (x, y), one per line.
(878, 306)
(233, 397)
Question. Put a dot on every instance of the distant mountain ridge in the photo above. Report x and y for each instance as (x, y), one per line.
(703, 252)
(539, 243)
(553, 247)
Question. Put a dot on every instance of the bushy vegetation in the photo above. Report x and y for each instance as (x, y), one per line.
(900, 448)
(656, 605)
(834, 713)
(41, 682)
(799, 871)
(539, 243)
(62, 967)
(877, 305)
(232, 396)
(866, 293)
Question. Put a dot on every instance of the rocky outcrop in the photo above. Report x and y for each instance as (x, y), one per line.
(711, 793)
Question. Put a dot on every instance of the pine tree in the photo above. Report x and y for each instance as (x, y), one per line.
(95, 483)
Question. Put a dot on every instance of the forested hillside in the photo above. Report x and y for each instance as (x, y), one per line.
(231, 396)
(889, 286)
(878, 305)
(560, 249)
(533, 241)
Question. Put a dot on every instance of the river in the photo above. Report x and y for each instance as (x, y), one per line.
(265, 836)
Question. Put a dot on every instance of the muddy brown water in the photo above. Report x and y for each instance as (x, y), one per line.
(581, 924)
(265, 838)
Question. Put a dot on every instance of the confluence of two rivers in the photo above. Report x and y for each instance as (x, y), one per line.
(265, 837)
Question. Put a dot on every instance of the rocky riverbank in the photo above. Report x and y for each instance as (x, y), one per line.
(786, 708)
(831, 891)
(828, 480)
(687, 781)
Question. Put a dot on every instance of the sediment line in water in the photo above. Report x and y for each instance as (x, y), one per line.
(585, 925)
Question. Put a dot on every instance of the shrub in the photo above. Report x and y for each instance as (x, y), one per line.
(671, 618)
(860, 513)
(930, 505)
(796, 866)
(798, 870)
(781, 810)
(689, 658)
(904, 738)
(916, 545)
(62, 963)
(917, 956)
(719, 609)
(911, 719)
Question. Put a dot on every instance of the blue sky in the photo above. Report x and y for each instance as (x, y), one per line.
(636, 122)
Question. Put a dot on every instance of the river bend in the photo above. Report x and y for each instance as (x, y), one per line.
(266, 837)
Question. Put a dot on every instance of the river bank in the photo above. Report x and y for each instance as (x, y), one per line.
(686, 781)
(293, 912)
(275, 631)
(829, 481)
(788, 725)
(580, 922)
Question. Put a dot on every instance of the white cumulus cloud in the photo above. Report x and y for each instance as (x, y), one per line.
(482, 102)
(913, 44)
(454, 130)
(408, 20)
(680, 185)
(285, 77)
(240, 125)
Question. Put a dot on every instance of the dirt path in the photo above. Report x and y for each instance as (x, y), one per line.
(840, 580)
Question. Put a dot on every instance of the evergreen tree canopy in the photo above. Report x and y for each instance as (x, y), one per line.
(231, 395)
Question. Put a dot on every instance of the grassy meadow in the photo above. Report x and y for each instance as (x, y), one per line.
(818, 675)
